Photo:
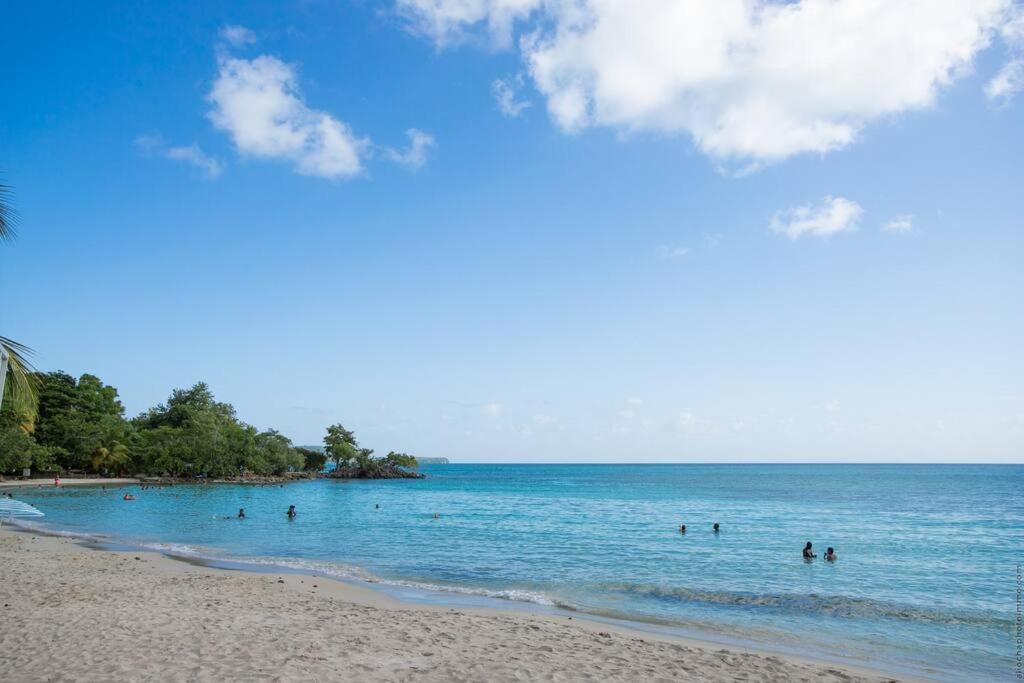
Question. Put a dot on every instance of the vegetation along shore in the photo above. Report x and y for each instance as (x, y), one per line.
(80, 426)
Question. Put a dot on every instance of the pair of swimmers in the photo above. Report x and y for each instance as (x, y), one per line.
(830, 553)
(290, 513)
(714, 528)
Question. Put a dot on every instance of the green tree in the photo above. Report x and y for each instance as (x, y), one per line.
(194, 434)
(403, 460)
(340, 445)
(75, 417)
(18, 450)
(112, 458)
(313, 460)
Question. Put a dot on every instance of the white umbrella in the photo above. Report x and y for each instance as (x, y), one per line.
(15, 508)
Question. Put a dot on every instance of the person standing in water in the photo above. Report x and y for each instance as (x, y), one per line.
(291, 512)
(241, 513)
(714, 527)
(682, 528)
(830, 555)
(808, 555)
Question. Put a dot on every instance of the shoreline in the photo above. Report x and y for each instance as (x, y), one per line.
(546, 642)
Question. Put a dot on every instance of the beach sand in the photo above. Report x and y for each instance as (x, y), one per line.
(71, 613)
(48, 483)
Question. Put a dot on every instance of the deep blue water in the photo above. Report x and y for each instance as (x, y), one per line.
(925, 580)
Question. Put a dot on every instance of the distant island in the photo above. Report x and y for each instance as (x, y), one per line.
(420, 460)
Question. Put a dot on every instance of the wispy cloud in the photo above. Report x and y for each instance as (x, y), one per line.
(903, 223)
(237, 36)
(192, 155)
(1005, 85)
(506, 96)
(667, 252)
(1009, 81)
(415, 155)
(831, 216)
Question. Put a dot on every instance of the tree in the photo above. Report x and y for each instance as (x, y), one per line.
(340, 445)
(18, 450)
(110, 458)
(15, 370)
(313, 460)
(75, 417)
(401, 460)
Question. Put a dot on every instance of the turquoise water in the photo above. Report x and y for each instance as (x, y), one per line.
(925, 581)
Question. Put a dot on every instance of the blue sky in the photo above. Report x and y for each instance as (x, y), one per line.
(616, 239)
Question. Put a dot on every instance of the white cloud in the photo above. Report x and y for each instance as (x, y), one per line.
(190, 154)
(415, 155)
(900, 224)
(832, 406)
(447, 21)
(833, 215)
(492, 409)
(750, 81)
(506, 96)
(1009, 81)
(258, 103)
(195, 156)
(237, 36)
(668, 252)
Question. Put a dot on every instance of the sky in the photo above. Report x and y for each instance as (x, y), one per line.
(533, 230)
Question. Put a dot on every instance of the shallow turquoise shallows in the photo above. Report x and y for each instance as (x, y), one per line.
(926, 579)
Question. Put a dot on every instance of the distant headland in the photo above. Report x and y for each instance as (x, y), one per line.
(68, 426)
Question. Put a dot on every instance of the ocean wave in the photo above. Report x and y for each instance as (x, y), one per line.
(514, 594)
(810, 603)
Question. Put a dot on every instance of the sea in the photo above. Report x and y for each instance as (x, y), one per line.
(926, 581)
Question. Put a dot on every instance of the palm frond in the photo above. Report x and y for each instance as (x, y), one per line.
(8, 216)
(20, 373)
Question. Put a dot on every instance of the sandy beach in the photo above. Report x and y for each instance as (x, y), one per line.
(44, 483)
(74, 613)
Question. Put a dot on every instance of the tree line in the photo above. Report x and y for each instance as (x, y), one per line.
(81, 425)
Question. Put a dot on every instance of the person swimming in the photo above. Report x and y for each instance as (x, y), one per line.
(714, 527)
(241, 513)
(291, 512)
(129, 496)
(830, 555)
(682, 528)
(808, 555)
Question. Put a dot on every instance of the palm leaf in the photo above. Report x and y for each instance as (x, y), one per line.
(8, 217)
(20, 374)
